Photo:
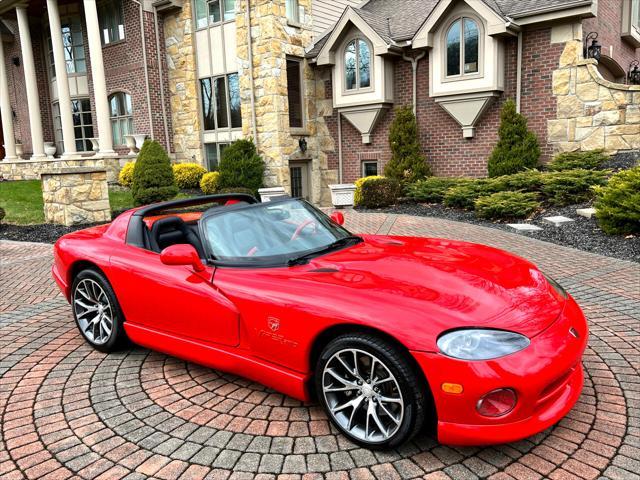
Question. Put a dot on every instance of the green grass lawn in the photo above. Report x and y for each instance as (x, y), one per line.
(22, 201)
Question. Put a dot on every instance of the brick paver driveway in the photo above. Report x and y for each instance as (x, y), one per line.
(68, 410)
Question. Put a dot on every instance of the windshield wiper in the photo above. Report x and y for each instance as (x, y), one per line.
(341, 242)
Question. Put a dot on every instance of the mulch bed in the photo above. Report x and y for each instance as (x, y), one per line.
(583, 234)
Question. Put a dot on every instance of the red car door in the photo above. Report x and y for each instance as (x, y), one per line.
(172, 298)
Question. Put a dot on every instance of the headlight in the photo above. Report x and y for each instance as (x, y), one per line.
(556, 286)
(481, 344)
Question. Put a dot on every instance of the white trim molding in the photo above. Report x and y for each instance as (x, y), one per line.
(467, 109)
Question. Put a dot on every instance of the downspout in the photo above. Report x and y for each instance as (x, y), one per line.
(519, 73)
(161, 75)
(146, 67)
(254, 121)
(339, 147)
(414, 65)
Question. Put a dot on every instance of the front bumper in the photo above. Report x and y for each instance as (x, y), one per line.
(547, 377)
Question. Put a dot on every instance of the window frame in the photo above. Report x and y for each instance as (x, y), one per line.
(219, 146)
(461, 17)
(300, 66)
(294, 19)
(119, 119)
(214, 102)
(358, 88)
(363, 167)
(57, 125)
(67, 21)
(114, 6)
(221, 9)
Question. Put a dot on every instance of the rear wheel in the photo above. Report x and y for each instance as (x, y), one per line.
(370, 391)
(96, 311)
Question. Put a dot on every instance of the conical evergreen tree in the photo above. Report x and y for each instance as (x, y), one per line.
(152, 175)
(407, 163)
(517, 148)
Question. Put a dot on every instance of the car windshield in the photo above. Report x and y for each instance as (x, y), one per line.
(281, 232)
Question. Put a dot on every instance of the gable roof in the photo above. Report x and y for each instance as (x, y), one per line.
(399, 20)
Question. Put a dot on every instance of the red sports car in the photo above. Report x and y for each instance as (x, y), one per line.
(388, 333)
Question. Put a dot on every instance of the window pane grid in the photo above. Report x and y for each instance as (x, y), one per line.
(82, 125)
(357, 65)
(211, 12)
(111, 21)
(463, 47)
(72, 47)
(294, 92)
(221, 102)
(121, 113)
(213, 154)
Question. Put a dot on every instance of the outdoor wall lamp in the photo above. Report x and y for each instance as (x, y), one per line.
(634, 73)
(595, 49)
(302, 143)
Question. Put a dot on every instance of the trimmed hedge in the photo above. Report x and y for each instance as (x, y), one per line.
(209, 182)
(188, 175)
(125, 177)
(237, 190)
(357, 195)
(527, 181)
(407, 163)
(241, 166)
(506, 205)
(618, 203)
(376, 192)
(590, 160)
(571, 186)
(433, 189)
(465, 195)
(517, 148)
(152, 175)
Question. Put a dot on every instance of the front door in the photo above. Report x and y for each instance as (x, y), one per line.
(172, 298)
(299, 172)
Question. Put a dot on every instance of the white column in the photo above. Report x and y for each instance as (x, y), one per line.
(30, 80)
(5, 110)
(62, 81)
(99, 83)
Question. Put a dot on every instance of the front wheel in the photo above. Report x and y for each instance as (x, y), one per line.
(370, 391)
(96, 311)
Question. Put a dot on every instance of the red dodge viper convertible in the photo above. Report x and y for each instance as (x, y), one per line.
(388, 333)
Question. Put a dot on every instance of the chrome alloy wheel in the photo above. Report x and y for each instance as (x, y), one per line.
(93, 311)
(362, 395)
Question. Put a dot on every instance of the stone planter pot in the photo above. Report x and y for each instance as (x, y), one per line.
(342, 194)
(267, 194)
(131, 144)
(139, 138)
(50, 149)
(19, 150)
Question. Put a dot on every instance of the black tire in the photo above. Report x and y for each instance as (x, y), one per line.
(117, 336)
(413, 390)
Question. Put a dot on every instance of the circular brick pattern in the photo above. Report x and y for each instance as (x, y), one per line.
(67, 410)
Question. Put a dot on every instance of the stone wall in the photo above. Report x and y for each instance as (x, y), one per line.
(76, 196)
(273, 39)
(32, 169)
(592, 113)
(182, 81)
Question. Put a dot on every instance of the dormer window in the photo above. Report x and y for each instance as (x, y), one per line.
(357, 64)
(463, 49)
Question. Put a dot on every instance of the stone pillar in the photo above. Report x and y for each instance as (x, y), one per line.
(99, 83)
(31, 83)
(64, 97)
(5, 110)
(75, 196)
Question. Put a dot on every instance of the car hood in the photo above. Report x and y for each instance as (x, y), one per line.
(439, 285)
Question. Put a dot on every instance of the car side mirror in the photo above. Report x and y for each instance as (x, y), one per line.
(337, 217)
(182, 254)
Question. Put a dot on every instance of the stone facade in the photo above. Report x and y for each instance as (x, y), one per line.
(182, 84)
(273, 40)
(33, 169)
(592, 113)
(76, 196)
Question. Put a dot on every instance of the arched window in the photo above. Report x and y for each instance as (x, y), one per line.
(357, 64)
(121, 112)
(463, 47)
